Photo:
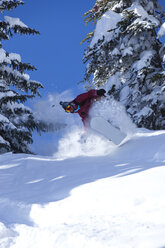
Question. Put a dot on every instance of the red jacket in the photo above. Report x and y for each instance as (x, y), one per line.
(84, 101)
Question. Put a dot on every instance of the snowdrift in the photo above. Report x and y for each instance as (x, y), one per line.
(112, 200)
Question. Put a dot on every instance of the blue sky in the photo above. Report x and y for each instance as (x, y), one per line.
(56, 52)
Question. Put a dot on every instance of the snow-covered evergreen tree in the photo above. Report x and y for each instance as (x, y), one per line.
(16, 120)
(127, 57)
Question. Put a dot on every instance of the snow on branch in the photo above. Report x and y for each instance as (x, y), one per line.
(14, 22)
(161, 30)
(9, 4)
(16, 25)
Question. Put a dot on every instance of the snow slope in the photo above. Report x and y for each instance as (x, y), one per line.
(113, 200)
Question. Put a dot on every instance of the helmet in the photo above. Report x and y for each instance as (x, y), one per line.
(68, 105)
(64, 105)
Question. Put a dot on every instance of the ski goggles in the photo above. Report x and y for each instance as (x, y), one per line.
(68, 109)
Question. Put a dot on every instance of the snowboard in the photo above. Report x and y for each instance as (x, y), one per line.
(109, 131)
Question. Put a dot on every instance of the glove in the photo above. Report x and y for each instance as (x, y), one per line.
(101, 92)
(111, 91)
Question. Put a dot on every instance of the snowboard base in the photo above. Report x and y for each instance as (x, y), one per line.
(110, 132)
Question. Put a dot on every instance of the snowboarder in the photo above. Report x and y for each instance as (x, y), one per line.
(82, 104)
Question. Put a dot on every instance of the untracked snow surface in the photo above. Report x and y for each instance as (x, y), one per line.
(84, 200)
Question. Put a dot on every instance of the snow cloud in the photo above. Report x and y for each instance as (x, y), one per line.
(115, 113)
(50, 112)
(78, 143)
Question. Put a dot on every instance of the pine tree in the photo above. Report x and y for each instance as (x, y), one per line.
(128, 57)
(16, 120)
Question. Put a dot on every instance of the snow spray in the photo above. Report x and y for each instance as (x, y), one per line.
(115, 113)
